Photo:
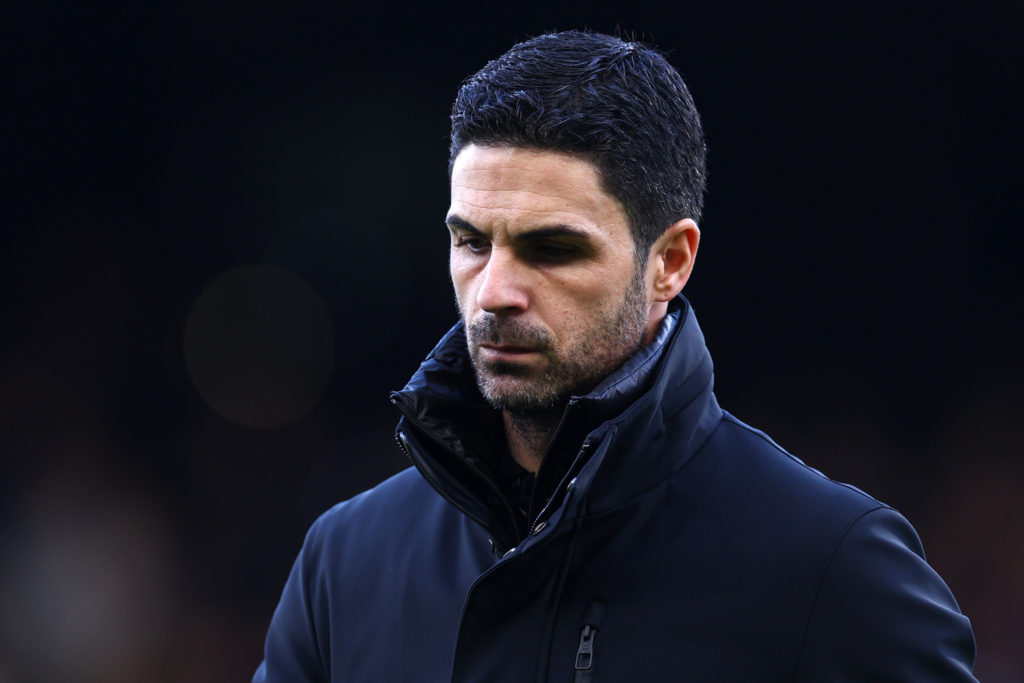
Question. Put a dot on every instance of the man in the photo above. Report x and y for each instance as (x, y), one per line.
(580, 507)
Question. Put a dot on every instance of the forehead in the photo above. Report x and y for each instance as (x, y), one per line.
(513, 187)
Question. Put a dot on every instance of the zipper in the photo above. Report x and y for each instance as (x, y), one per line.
(561, 484)
(547, 451)
(400, 439)
(584, 665)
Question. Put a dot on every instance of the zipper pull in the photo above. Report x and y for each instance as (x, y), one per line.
(584, 666)
(585, 655)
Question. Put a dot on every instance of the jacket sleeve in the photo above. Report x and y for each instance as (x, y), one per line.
(882, 614)
(293, 652)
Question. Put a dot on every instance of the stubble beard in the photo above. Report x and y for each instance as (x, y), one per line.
(592, 355)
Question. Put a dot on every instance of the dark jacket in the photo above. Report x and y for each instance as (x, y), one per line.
(679, 545)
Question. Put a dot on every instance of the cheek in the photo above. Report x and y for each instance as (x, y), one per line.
(589, 290)
(461, 283)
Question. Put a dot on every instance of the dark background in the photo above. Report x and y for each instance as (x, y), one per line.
(224, 245)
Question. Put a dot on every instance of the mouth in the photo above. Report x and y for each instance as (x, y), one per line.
(506, 352)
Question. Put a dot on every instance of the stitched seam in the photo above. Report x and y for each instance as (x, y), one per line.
(821, 582)
(798, 461)
(310, 614)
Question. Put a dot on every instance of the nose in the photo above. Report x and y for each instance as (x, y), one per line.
(503, 288)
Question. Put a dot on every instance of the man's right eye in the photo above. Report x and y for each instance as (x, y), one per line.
(473, 244)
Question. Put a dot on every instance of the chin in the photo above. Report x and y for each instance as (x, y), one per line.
(518, 395)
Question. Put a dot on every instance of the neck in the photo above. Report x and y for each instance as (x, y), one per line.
(529, 434)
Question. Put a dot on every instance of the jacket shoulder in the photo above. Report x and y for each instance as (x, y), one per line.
(785, 479)
(880, 610)
(753, 496)
(877, 608)
(396, 527)
(353, 571)
(374, 504)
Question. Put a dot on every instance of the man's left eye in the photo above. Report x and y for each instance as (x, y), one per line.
(555, 252)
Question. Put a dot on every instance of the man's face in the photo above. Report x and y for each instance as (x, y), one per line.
(544, 271)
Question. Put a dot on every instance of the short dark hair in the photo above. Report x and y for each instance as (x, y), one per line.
(619, 104)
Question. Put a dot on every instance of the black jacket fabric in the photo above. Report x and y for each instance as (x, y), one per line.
(677, 544)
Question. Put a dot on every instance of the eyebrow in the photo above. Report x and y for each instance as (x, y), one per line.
(558, 230)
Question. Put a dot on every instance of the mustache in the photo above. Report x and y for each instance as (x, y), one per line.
(490, 329)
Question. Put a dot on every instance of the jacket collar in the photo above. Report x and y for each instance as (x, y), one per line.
(662, 428)
(641, 423)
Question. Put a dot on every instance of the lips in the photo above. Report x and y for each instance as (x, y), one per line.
(506, 339)
(505, 351)
(507, 348)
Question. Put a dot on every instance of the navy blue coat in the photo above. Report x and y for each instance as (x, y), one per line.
(682, 545)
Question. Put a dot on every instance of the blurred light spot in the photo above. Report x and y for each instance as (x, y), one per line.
(259, 346)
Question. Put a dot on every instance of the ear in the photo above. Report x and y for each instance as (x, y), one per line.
(671, 259)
